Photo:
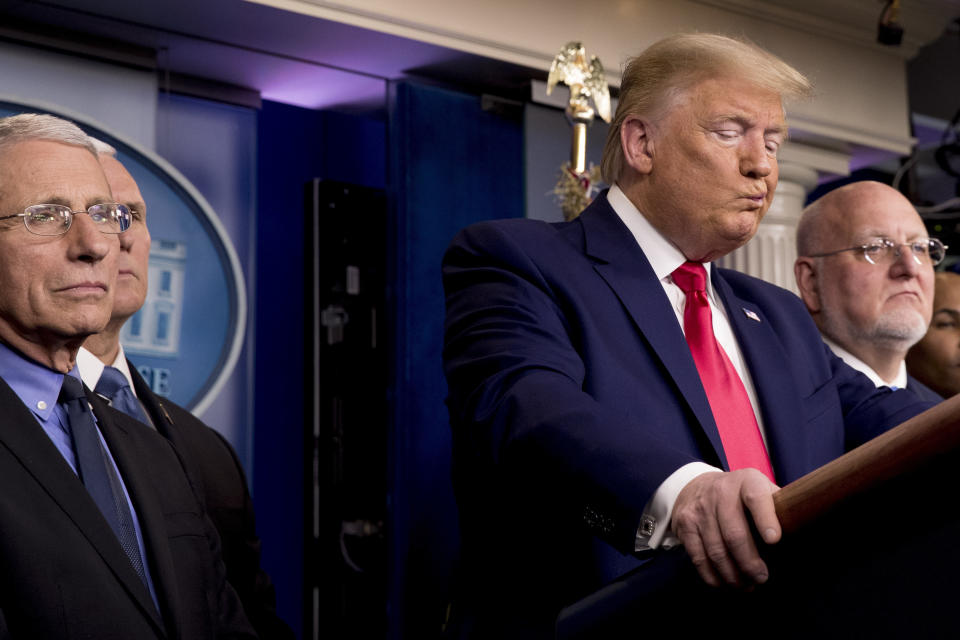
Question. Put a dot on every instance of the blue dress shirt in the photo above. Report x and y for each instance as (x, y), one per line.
(38, 388)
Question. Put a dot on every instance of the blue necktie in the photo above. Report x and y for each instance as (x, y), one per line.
(114, 387)
(97, 473)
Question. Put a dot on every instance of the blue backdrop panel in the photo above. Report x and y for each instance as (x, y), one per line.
(451, 164)
(290, 152)
(212, 145)
(354, 150)
(294, 146)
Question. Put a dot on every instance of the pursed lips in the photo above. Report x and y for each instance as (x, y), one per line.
(755, 199)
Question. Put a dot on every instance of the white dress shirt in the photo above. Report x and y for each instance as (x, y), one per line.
(664, 257)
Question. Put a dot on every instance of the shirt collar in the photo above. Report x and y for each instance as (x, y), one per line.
(37, 386)
(663, 255)
(91, 367)
(899, 381)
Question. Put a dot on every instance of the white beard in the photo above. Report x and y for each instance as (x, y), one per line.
(895, 330)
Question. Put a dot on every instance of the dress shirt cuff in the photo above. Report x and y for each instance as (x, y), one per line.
(654, 530)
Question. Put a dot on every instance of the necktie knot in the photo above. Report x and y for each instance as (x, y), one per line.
(115, 387)
(111, 381)
(71, 389)
(690, 277)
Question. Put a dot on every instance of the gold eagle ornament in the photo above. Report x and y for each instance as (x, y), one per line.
(585, 79)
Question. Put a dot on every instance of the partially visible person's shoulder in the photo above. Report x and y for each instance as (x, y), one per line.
(922, 391)
(534, 239)
(752, 287)
(518, 229)
(196, 434)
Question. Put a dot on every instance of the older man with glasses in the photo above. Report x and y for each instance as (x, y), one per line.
(865, 273)
(103, 533)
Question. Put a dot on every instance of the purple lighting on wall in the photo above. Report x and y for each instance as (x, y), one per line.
(317, 88)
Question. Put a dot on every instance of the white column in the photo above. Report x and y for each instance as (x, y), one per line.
(773, 250)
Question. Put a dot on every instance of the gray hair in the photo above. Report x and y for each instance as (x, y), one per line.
(102, 148)
(655, 79)
(36, 126)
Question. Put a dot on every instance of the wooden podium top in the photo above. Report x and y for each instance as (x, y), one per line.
(855, 580)
(898, 451)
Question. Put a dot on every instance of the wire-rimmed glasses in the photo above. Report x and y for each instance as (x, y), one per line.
(923, 250)
(55, 219)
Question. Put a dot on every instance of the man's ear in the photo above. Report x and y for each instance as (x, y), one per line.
(637, 144)
(806, 274)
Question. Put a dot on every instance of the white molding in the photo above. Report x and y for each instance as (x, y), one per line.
(850, 21)
(897, 144)
(459, 40)
(853, 21)
(822, 159)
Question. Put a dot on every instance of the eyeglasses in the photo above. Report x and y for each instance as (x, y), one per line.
(924, 251)
(55, 219)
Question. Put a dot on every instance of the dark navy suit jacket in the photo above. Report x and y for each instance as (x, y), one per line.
(64, 573)
(218, 476)
(573, 395)
(922, 390)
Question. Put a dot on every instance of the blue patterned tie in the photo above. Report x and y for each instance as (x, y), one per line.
(96, 471)
(113, 386)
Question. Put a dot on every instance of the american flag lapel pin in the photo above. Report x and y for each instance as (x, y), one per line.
(751, 314)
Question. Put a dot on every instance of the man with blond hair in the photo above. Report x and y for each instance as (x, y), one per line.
(865, 273)
(610, 391)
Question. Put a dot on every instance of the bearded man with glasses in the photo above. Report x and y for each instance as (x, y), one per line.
(865, 273)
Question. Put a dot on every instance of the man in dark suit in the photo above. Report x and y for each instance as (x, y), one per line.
(865, 273)
(211, 460)
(102, 534)
(610, 392)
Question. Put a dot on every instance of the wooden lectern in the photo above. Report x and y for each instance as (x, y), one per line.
(870, 549)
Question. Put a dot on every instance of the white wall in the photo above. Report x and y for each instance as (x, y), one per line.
(861, 86)
(114, 98)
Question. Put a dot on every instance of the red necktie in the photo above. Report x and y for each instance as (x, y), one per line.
(728, 398)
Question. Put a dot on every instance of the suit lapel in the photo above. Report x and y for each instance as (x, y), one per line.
(622, 264)
(116, 427)
(26, 440)
(158, 414)
(774, 384)
(166, 427)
